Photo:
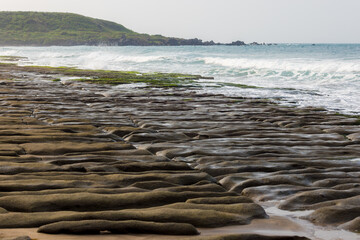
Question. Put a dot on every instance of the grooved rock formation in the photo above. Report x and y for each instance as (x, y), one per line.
(85, 158)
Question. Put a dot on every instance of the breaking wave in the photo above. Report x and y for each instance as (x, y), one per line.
(291, 65)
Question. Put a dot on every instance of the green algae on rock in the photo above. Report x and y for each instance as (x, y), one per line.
(113, 77)
(12, 58)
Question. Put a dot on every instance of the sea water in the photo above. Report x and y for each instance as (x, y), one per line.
(321, 75)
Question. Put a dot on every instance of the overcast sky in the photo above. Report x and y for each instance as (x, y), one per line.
(282, 21)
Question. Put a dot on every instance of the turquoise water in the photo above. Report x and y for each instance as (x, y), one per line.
(322, 75)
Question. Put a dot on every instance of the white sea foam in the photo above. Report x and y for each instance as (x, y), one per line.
(5, 52)
(111, 57)
(289, 64)
(355, 160)
(279, 212)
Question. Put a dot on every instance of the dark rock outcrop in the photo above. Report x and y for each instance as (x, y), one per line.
(124, 227)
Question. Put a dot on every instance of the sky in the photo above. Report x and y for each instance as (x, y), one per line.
(270, 21)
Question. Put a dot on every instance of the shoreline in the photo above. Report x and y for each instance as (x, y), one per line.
(263, 151)
(313, 77)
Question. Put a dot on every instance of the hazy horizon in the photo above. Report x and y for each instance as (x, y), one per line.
(270, 21)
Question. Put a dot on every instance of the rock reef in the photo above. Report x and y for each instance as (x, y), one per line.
(85, 158)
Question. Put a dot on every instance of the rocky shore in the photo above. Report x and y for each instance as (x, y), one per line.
(84, 158)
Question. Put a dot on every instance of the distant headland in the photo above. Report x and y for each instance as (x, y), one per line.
(68, 29)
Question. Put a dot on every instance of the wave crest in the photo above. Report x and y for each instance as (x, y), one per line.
(288, 64)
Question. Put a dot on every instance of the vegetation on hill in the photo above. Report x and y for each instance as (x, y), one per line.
(67, 29)
(47, 22)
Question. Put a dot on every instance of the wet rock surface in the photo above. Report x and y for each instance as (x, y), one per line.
(131, 226)
(145, 157)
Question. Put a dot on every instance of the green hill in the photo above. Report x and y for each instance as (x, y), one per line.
(67, 29)
(48, 22)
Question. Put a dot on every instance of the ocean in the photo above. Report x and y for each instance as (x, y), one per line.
(321, 75)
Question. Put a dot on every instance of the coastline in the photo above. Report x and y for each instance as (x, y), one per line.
(313, 76)
(210, 144)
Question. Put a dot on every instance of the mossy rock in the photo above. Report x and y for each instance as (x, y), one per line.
(3, 210)
(125, 130)
(334, 215)
(353, 225)
(15, 168)
(96, 202)
(245, 210)
(310, 199)
(42, 184)
(151, 185)
(163, 80)
(14, 149)
(221, 200)
(130, 226)
(98, 190)
(196, 217)
(210, 187)
(60, 148)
